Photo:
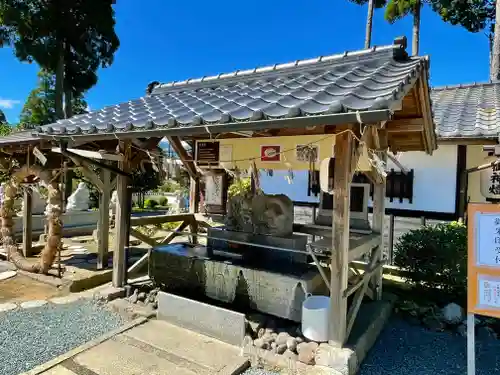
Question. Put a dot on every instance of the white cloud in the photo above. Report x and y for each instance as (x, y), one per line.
(8, 103)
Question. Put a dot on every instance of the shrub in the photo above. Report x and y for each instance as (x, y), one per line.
(163, 201)
(150, 203)
(435, 257)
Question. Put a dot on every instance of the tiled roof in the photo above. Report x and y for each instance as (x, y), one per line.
(467, 111)
(18, 137)
(373, 79)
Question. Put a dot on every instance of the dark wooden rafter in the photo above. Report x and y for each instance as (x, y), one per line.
(186, 159)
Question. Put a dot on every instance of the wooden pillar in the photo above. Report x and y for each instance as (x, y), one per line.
(27, 222)
(378, 226)
(103, 226)
(340, 238)
(68, 182)
(194, 195)
(119, 259)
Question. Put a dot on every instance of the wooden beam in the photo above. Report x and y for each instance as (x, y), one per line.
(101, 155)
(27, 223)
(194, 195)
(103, 225)
(83, 159)
(358, 297)
(142, 237)
(159, 219)
(378, 226)
(186, 159)
(172, 235)
(407, 125)
(121, 230)
(344, 150)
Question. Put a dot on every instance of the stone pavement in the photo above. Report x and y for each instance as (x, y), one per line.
(155, 348)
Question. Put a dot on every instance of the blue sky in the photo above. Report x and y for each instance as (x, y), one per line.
(175, 40)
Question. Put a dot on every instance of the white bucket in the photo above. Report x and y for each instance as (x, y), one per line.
(315, 315)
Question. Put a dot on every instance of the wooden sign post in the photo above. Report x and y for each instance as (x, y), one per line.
(483, 271)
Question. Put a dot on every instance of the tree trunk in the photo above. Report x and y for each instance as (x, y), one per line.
(49, 252)
(68, 91)
(416, 28)
(495, 56)
(369, 23)
(59, 86)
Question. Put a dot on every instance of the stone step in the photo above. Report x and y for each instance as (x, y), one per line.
(155, 348)
(183, 343)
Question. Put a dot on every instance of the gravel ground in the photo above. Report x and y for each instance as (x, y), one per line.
(29, 337)
(404, 349)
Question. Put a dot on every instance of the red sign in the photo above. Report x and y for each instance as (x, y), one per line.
(270, 153)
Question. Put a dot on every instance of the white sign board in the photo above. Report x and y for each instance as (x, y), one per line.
(487, 240)
(489, 292)
(213, 189)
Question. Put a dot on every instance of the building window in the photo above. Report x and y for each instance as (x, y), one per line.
(399, 185)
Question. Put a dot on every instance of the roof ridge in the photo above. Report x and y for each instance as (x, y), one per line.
(464, 85)
(399, 44)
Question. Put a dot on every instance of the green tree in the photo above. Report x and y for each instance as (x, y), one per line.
(39, 108)
(70, 39)
(372, 4)
(3, 118)
(144, 179)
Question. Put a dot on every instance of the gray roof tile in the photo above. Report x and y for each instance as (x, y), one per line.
(467, 111)
(364, 80)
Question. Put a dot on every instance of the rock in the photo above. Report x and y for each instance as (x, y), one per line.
(307, 356)
(261, 332)
(134, 297)
(269, 330)
(452, 313)
(433, 324)
(141, 296)
(313, 345)
(462, 330)
(282, 338)
(7, 275)
(154, 304)
(280, 349)
(302, 346)
(290, 355)
(299, 339)
(257, 321)
(247, 341)
(267, 338)
(274, 346)
(259, 343)
(291, 344)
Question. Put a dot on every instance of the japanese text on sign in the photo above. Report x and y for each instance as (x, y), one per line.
(488, 240)
(495, 180)
(489, 292)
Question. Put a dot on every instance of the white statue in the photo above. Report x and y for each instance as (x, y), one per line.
(38, 202)
(112, 203)
(80, 199)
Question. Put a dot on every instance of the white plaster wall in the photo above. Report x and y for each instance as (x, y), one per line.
(434, 183)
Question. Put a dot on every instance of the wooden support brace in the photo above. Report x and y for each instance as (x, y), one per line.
(171, 236)
(358, 297)
(142, 237)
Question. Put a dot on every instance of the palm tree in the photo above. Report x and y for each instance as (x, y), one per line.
(398, 9)
(372, 4)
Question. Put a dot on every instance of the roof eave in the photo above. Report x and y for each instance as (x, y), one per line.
(365, 117)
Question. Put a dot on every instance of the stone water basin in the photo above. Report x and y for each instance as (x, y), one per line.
(269, 287)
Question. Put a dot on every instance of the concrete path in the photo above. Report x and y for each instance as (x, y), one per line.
(155, 348)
